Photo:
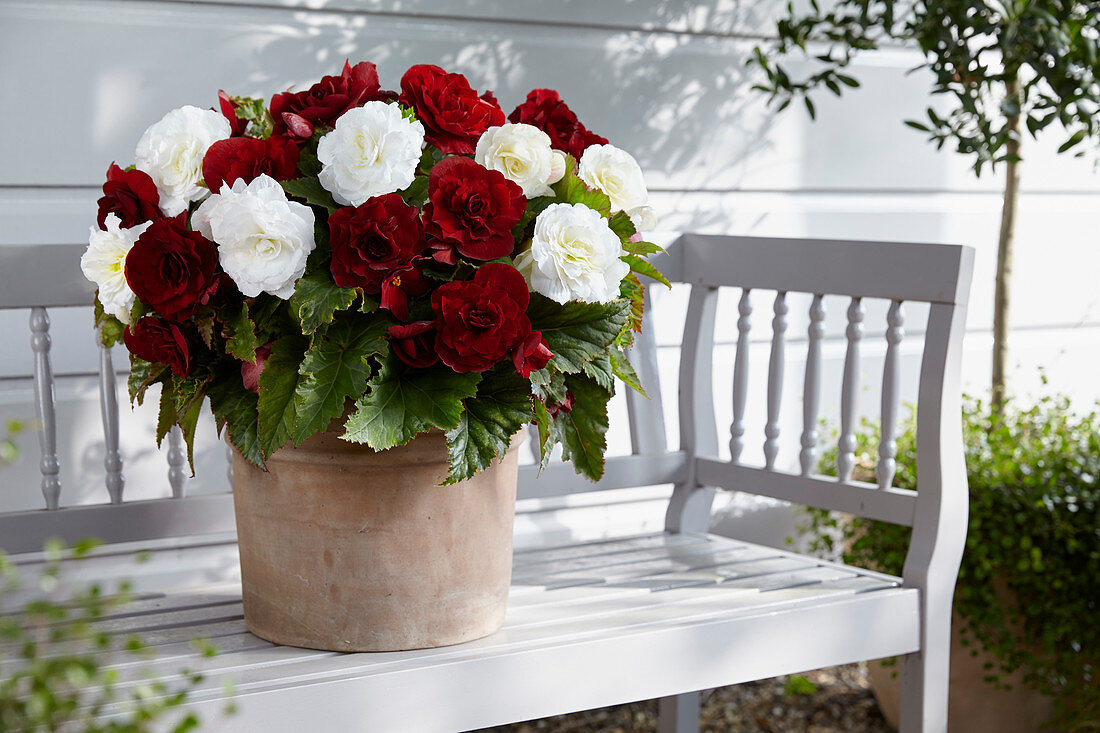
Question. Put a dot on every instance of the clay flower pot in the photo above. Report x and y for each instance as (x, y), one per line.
(347, 549)
(973, 704)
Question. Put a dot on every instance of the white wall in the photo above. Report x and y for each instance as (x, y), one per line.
(665, 80)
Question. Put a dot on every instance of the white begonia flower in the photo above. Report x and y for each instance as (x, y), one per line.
(644, 218)
(171, 152)
(263, 239)
(104, 263)
(574, 255)
(522, 153)
(372, 150)
(616, 173)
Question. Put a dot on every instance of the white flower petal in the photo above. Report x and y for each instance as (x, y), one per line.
(263, 239)
(574, 255)
(616, 173)
(522, 153)
(171, 152)
(373, 150)
(104, 263)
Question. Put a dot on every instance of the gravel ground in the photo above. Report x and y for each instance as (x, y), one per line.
(835, 699)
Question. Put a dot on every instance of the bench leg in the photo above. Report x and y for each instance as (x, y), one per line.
(679, 713)
(925, 680)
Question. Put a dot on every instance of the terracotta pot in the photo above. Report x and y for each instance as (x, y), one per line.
(974, 705)
(345, 548)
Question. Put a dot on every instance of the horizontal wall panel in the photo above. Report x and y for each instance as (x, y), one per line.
(717, 17)
(681, 103)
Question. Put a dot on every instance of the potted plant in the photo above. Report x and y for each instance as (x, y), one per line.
(1027, 648)
(376, 290)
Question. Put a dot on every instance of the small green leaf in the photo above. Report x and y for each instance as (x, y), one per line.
(317, 298)
(798, 685)
(1074, 140)
(311, 191)
(166, 414)
(623, 227)
(142, 374)
(235, 410)
(546, 441)
(583, 430)
(404, 402)
(335, 368)
(417, 192)
(624, 370)
(502, 408)
(572, 190)
(110, 328)
(189, 420)
(601, 370)
(277, 385)
(240, 333)
(535, 207)
(577, 332)
(632, 290)
(642, 248)
(643, 266)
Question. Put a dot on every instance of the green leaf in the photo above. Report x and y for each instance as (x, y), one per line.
(577, 332)
(643, 266)
(235, 411)
(317, 298)
(278, 381)
(535, 207)
(142, 374)
(549, 389)
(167, 416)
(624, 370)
(623, 227)
(110, 328)
(583, 430)
(311, 191)
(404, 402)
(546, 436)
(601, 370)
(642, 248)
(255, 111)
(632, 290)
(335, 369)
(1074, 140)
(240, 333)
(188, 421)
(572, 190)
(502, 408)
(417, 192)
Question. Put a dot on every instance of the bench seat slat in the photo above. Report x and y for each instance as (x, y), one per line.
(702, 584)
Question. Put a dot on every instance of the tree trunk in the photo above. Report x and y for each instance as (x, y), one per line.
(1004, 253)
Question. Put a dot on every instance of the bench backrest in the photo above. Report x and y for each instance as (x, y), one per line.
(47, 277)
(936, 276)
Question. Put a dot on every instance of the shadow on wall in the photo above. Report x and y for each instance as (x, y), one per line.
(679, 102)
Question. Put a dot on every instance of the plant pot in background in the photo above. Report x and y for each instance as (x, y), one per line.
(974, 706)
(345, 548)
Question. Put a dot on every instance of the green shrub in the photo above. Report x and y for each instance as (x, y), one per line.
(1029, 585)
(54, 656)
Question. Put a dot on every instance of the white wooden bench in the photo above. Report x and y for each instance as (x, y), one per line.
(597, 623)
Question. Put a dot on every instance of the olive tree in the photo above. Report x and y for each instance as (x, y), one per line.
(999, 66)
